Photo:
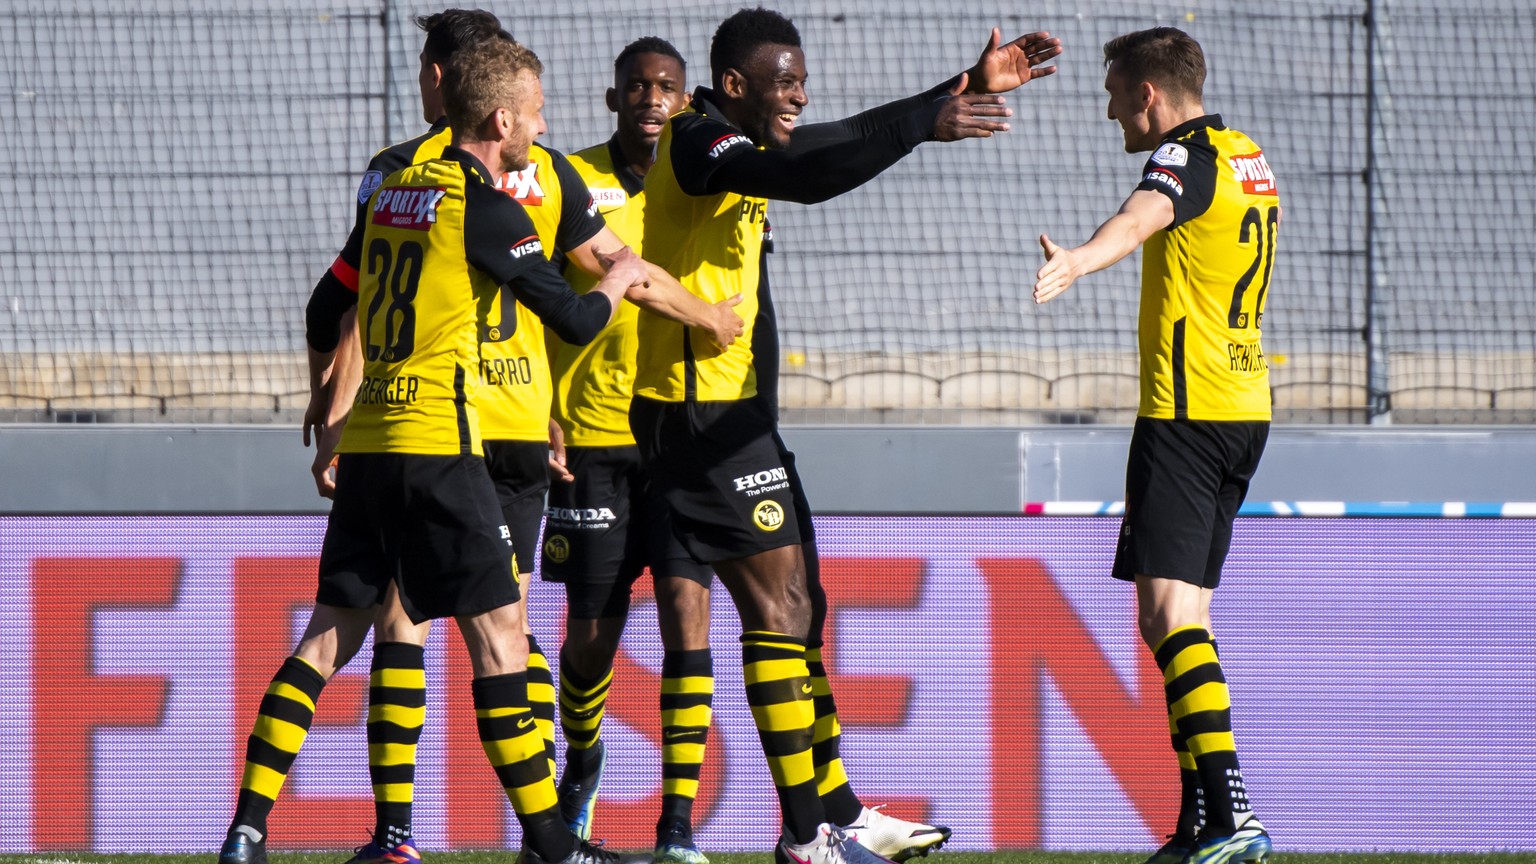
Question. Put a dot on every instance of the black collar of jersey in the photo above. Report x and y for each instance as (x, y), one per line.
(1205, 121)
(439, 124)
(705, 102)
(632, 183)
(471, 164)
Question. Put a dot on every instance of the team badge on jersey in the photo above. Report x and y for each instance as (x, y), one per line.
(1171, 154)
(372, 180)
(523, 185)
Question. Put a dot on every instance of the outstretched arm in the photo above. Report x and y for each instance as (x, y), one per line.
(1142, 214)
(815, 175)
(1000, 68)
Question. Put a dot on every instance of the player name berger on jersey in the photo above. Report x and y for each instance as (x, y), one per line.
(1253, 171)
(413, 207)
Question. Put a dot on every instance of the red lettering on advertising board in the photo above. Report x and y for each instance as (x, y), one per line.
(69, 701)
(1036, 631)
(269, 591)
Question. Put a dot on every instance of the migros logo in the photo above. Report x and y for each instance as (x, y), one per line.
(1252, 170)
(523, 185)
(413, 207)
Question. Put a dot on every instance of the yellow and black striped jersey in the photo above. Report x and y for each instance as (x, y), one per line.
(594, 382)
(1205, 277)
(515, 359)
(439, 240)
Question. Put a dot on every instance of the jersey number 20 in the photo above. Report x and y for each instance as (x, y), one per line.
(1263, 227)
(400, 282)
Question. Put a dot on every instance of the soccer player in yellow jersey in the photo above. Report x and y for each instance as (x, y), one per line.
(515, 422)
(415, 508)
(1207, 209)
(606, 526)
(703, 419)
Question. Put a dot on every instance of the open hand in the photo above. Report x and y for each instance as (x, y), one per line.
(970, 115)
(1001, 68)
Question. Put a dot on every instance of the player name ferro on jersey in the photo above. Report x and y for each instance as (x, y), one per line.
(399, 390)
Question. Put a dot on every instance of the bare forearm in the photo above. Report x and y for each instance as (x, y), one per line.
(346, 370)
(669, 299)
(1116, 238)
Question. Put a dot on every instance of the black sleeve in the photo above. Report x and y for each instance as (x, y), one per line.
(579, 218)
(710, 157)
(864, 123)
(500, 241)
(1185, 171)
(322, 315)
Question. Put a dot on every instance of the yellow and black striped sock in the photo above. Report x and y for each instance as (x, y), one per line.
(687, 697)
(1201, 707)
(282, 722)
(582, 701)
(511, 740)
(1191, 798)
(779, 692)
(397, 709)
(842, 805)
(541, 697)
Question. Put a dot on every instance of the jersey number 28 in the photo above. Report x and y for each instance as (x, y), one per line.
(400, 283)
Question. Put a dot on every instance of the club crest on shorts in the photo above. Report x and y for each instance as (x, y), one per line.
(557, 549)
(768, 515)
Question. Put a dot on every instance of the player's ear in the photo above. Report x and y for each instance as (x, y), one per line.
(733, 84)
(687, 100)
(611, 99)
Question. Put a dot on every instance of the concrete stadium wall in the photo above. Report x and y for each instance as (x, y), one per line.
(142, 468)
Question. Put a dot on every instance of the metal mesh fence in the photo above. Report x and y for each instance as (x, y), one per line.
(179, 173)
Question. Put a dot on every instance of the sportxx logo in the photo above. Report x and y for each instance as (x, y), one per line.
(726, 142)
(523, 185)
(413, 207)
(1252, 170)
(527, 246)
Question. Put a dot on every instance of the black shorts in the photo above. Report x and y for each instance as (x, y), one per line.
(721, 468)
(605, 528)
(430, 523)
(520, 472)
(1184, 482)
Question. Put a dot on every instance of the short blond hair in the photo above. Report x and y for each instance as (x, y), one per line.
(483, 77)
